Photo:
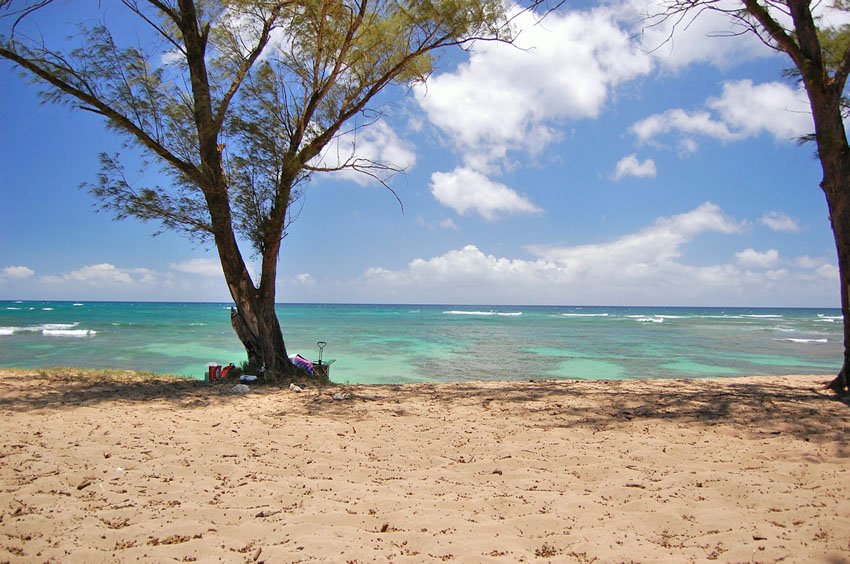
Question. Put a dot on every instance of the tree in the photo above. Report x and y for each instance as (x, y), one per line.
(821, 59)
(236, 101)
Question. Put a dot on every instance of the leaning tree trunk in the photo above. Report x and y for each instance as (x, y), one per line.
(254, 319)
(256, 324)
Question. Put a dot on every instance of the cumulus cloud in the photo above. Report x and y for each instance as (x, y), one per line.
(644, 267)
(631, 263)
(96, 275)
(508, 97)
(465, 190)
(807, 261)
(375, 143)
(650, 247)
(631, 166)
(742, 110)
(771, 107)
(828, 272)
(200, 266)
(467, 267)
(683, 122)
(108, 281)
(754, 259)
(17, 272)
(305, 279)
(778, 221)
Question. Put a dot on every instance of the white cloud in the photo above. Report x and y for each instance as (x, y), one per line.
(743, 110)
(467, 267)
(778, 221)
(630, 268)
(754, 259)
(696, 123)
(108, 281)
(97, 275)
(200, 266)
(828, 272)
(707, 33)
(373, 143)
(699, 36)
(465, 190)
(770, 107)
(507, 98)
(631, 166)
(688, 147)
(811, 262)
(17, 272)
(305, 279)
(646, 267)
(644, 251)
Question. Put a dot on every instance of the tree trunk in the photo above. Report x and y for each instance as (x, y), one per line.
(834, 155)
(256, 324)
(254, 319)
(839, 211)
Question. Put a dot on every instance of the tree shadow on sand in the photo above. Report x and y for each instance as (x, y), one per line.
(758, 407)
(57, 388)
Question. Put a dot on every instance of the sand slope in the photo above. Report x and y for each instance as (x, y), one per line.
(733, 470)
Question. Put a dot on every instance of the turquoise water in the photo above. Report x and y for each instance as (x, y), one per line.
(403, 343)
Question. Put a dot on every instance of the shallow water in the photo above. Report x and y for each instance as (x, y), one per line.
(404, 343)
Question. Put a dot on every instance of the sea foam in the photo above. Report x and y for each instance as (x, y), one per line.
(584, 315)
(647, 319)
(484, 313)
(830, 318)
(50, 330)
(68, 332)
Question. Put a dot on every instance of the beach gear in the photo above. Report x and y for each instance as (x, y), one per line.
(302, 362)
(213, 372)
(322, 369)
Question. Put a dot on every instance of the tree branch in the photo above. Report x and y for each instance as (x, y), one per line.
(783, 40)
(116, 118)
(255, 53)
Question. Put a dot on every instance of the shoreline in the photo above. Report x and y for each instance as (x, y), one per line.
(127, 467)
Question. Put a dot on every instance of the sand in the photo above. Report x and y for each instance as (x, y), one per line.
(105, 469)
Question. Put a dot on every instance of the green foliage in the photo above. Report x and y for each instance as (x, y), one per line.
(282, 79)
(834, 42)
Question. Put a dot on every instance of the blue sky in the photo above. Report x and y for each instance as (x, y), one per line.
(596, 165)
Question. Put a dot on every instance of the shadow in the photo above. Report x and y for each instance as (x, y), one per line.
(765, 408)
(23, 390)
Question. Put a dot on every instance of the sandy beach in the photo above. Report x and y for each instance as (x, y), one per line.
(124, 468)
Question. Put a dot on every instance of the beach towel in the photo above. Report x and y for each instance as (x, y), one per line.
(299, 360)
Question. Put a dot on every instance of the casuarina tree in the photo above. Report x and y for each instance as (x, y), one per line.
(820, 54)
(238, 103)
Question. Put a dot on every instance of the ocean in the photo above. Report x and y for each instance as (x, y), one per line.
(394, 344)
